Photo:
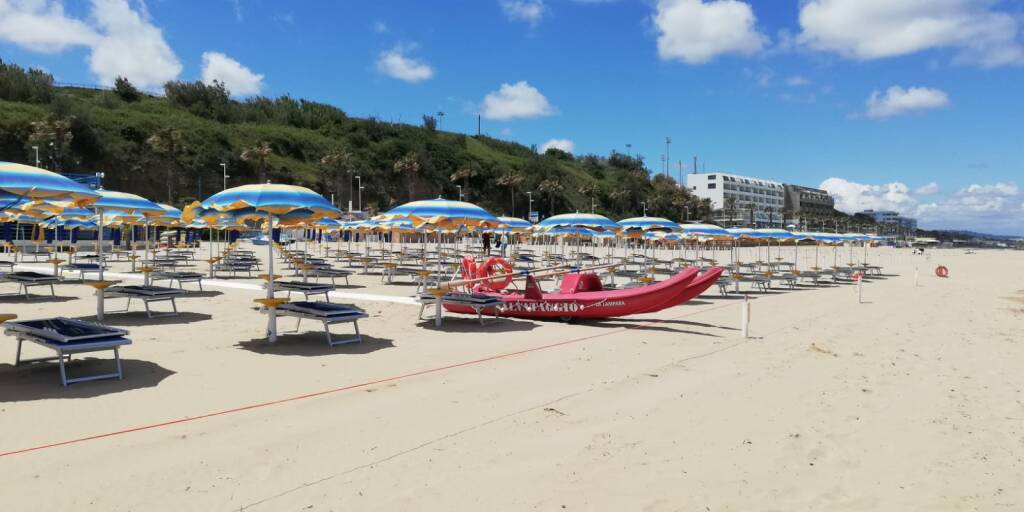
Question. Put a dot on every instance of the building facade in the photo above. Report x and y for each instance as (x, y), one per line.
(740, 200)
(803, 202)
(891, 218)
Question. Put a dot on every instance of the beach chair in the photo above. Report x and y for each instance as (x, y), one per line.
(26, 280)
(180, 277)
(327, 271)
(477, 301)
(146, 294)
(81, 268)
(306, 289)
(327, 313)
(67, 337)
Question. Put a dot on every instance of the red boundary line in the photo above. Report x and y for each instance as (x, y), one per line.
(349, 387)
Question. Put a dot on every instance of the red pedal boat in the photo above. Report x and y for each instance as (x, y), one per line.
(582, 296)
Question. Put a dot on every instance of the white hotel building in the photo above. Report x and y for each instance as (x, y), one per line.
(749, 194)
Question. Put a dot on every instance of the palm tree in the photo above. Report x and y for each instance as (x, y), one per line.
(408, 166)
(463, 174)
(334, 164)
(169, 143)
(730, 206)
(551, 187)
(259, 154)
(53, 133)
(511, 179)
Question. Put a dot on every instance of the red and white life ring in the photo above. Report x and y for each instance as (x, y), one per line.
(495, 267)
(468, 267)
(858, 275)
(942, 271)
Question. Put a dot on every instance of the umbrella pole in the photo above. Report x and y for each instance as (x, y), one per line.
(99, 251)
(271, 312)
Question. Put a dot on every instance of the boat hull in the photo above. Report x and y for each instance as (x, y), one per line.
(598, 304)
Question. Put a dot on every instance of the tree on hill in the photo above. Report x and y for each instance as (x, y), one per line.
(168, 143)
(53, 136)
(336, 164)
(511, 179)
(125, 90)
(408, 167)
(258, 156)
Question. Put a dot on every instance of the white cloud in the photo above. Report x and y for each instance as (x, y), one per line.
(396, 64)
(122, 40)
(929, 189)
(873, 29)
(992, 208)
(237, 5)
(42, 26)
(380, 27)
(518, 100)
(529, 11)
(696, 32)
(564, 144)
(852, 197)
(238, 79)
(897, 101)
(797, 81)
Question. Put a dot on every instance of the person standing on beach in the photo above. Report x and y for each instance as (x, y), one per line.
(486, 239)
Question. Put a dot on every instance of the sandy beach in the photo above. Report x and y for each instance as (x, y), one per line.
(911, 400)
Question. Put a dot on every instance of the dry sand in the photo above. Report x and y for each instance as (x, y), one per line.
(909, 401)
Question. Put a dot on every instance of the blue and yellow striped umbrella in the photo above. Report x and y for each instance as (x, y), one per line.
(171, 216)
(649, 224)
(442, 213)
(271, 198)
(514, 223)
(34, 183)
(705, 230)
(123, 202)
(581, 220)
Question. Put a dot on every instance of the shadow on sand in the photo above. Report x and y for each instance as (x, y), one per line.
(139, 318)
(41, 380)
(312, 343)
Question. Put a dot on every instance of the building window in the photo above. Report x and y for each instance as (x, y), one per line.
(711, 177)
(712, 185)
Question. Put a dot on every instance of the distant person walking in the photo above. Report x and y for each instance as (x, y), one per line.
(486, 239)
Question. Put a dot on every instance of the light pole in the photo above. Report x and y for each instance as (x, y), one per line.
(668, 154)
(629, 150)
(440, 119)
(99, 179)
(460, 192)
(224, 168)
(36, 148)
(644, 205)
(359, 179)
(529, 211)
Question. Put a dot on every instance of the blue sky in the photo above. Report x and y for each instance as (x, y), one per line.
(778, 89)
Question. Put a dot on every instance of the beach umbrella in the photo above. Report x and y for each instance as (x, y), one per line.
(514, 224)
(584, 220)
(29, 182)
(270, 201)
(443, 213)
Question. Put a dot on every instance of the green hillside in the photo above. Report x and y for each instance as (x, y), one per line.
(170, 149)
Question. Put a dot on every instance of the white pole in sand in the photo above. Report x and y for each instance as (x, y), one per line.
(745, 316)
(917, 275)
(860, 290)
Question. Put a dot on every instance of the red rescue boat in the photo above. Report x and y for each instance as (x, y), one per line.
(582, 296)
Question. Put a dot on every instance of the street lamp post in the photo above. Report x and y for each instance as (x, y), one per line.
(529, 211)
(460, 192)
(668, 155)
(644, 205)
(360, 180)
(440, 119)
(36, 148)
(629, 150)
(224, 169)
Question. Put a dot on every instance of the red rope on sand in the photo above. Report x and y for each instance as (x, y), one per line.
(349, 387)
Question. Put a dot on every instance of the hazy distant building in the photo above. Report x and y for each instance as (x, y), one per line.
(740, 199)
(802, 202)
(891, 218)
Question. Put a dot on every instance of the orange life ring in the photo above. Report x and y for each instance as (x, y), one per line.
(495, 267)
(468, 267)
(941, 271)
(858, 275)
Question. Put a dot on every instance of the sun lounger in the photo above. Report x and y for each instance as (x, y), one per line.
(234, 268)
(328, 271)
(327, 313)
(146, 294)
(477, 301)
(305, 289)
(7, 266)
(25, 280)
(66, 337)
(180, 277)
(81, 268)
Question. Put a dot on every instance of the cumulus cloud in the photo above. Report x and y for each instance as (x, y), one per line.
(238, 79)
(528, 11)
(852, 197)
(396, 64)
(122, 40)
(696, 32)
(929, 189)
(797, 81)
(873, 29)
(42, 26)
(563, 144)
(518, 100)
(994, 208)
(897, 101)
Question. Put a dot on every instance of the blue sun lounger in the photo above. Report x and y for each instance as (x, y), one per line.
(66, 337)
(180, 277)
(81, 268)
(306, 289)
(146, 294)
(25, 280)
(327, 313)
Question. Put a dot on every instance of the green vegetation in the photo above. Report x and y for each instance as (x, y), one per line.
(170, 149)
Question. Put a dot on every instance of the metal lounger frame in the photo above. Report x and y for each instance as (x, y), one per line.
(64, 352)
(328, 321)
